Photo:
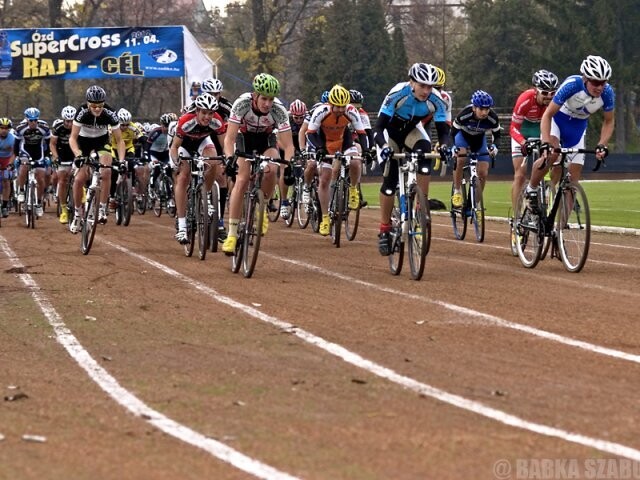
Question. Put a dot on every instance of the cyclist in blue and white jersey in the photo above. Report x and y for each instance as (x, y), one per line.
(469, 136)
(565, 120)
(400, 128)
(62, 155)
(7, 156)
(33, 142)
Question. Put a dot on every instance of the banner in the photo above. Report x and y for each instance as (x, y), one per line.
(80, 53)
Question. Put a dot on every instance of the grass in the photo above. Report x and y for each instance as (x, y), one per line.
(612, 203)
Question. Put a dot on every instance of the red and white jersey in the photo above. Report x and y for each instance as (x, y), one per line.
(189, 127)
(526, 111)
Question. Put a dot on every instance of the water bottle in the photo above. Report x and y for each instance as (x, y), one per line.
(5, 55)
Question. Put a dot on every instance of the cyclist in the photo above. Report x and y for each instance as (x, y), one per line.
(442, 116)
(565, 120)
(90, 131)
(297, 112)
(156, 147)
(254, 117)
(469, 135)
(7, 156)
(193, 136)
(62, 155)
(525, 124)
(399, 127)
(130, 134)
(214, 87)
(33, 136)
(329, 133)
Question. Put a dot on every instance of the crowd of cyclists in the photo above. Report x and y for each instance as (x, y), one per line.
(258, 122)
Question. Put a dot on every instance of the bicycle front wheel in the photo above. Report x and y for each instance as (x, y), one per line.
(396, 240)
(273, 208)
(316, 211)
(419, 235)
(574, 227)
(253, 233)
(89, 220)
(30, 210)
(529, 233)
(192, 226)
(293, 206)
(549, 197)
(127, 202)
(352, 220)
(459, 217)
(339, 207)
(477, 212)
(303, 210)
(214, 218)
(202, 221)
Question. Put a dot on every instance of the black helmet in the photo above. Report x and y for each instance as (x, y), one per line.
(96, 94)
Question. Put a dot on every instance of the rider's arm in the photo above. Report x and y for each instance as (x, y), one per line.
(302, 135)
(73, 140)
(230, 138)
(545, 122)
(443, 129)
(381, 125)
(53, 143)
(285, 140)
(607, 128)
(120, 143)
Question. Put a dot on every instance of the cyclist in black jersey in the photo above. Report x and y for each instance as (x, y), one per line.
(62, 155)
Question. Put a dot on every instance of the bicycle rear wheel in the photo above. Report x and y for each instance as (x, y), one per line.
(529, 233)
(214, 219)
(191, 221)
(273, 208)
(477, 213)
(352, 220)
(419, 235)
(157, 198)
(253, 233)
(202, 221)
(30, 208)
(459, 217)
(119, 203)
(89, 220)
(549, 195)
(574, 227)
(396, 241)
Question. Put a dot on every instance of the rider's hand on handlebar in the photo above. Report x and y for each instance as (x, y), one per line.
(601, 151)
(385, 154)
(320, 154)
(78, 161)
(526, 149)
(493, 150)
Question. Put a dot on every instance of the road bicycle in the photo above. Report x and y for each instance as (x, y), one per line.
(30, 193)
(410, 216)
(160, 192)
(198, 205)
(252, 217)
(124, 194)
(472, 208)
(565, 224)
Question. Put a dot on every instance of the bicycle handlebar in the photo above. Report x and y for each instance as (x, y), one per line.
(261, 158)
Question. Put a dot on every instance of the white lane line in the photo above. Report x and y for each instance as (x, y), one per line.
(469, 312)
(125, 398)
(386, 373)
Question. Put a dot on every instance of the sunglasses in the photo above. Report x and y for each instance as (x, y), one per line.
(4, 128)
(597, 83)
(546, 93)
(96, 105)
(298, 117)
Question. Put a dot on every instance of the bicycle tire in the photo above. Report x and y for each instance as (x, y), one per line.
(191, 222)
(336, 219)
(529, 233)
(459, 216)
(477, 213)
(396, 239)
(89, 220)
(253, 234)
(69, 197)
(168, 190)
(352, 220)
(273, 207)
(419, 234)
(236, 260)
(214, 219)
(293, 206)
(202, 221)
(119, 204)
(157, 197)
(30, 211)
(549, 198)
(573, 225)
(303, 214)
(316, 211)
(127, 202)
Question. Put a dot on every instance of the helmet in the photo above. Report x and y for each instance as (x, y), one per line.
(481, 99)
(324, 98)
(339, 96)
(68, 112)
(545, 80)
(442, 78)
(32, 113)
(212, 85)
(297, 108)
(124, 115)
(96, 94)
(266, 85)
(5, 122)
(165, 119)
(174, 117)
(595, 68)
(356, 96)
(206, 101)
(423, 73)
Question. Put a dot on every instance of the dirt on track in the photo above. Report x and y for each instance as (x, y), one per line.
(165, 328)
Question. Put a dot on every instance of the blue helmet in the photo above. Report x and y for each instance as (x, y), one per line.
(32, 113)
(481, 99)
(324, 98)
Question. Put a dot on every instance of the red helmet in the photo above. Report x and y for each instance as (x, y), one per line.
(298, 108)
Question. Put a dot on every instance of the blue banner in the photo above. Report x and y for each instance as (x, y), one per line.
(79, 53)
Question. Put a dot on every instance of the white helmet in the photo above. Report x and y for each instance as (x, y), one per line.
(212, 85)
(68, 112)
(595, 68)
(424, 73)
(124, 115)
(206, 101)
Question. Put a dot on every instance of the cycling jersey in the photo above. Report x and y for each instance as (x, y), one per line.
(130, 133)
(33, 141)
(295, 129)
(252, 121)
(157, 141)
(192, 133)
(527, 113)
(331, 132)
(62, 134)
(7, 145)
(95, 127)
(470, 132)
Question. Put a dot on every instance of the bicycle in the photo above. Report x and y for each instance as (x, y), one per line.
(198, 206)
(313, 209)
(30, 193)
(160, 193)
(410, 216)
(89, 219)
(214, 216)
(275, 202)
(295, 195)
(472, 201)
(566, 223)
(252, 218)
(123, 195)
(339, 199)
